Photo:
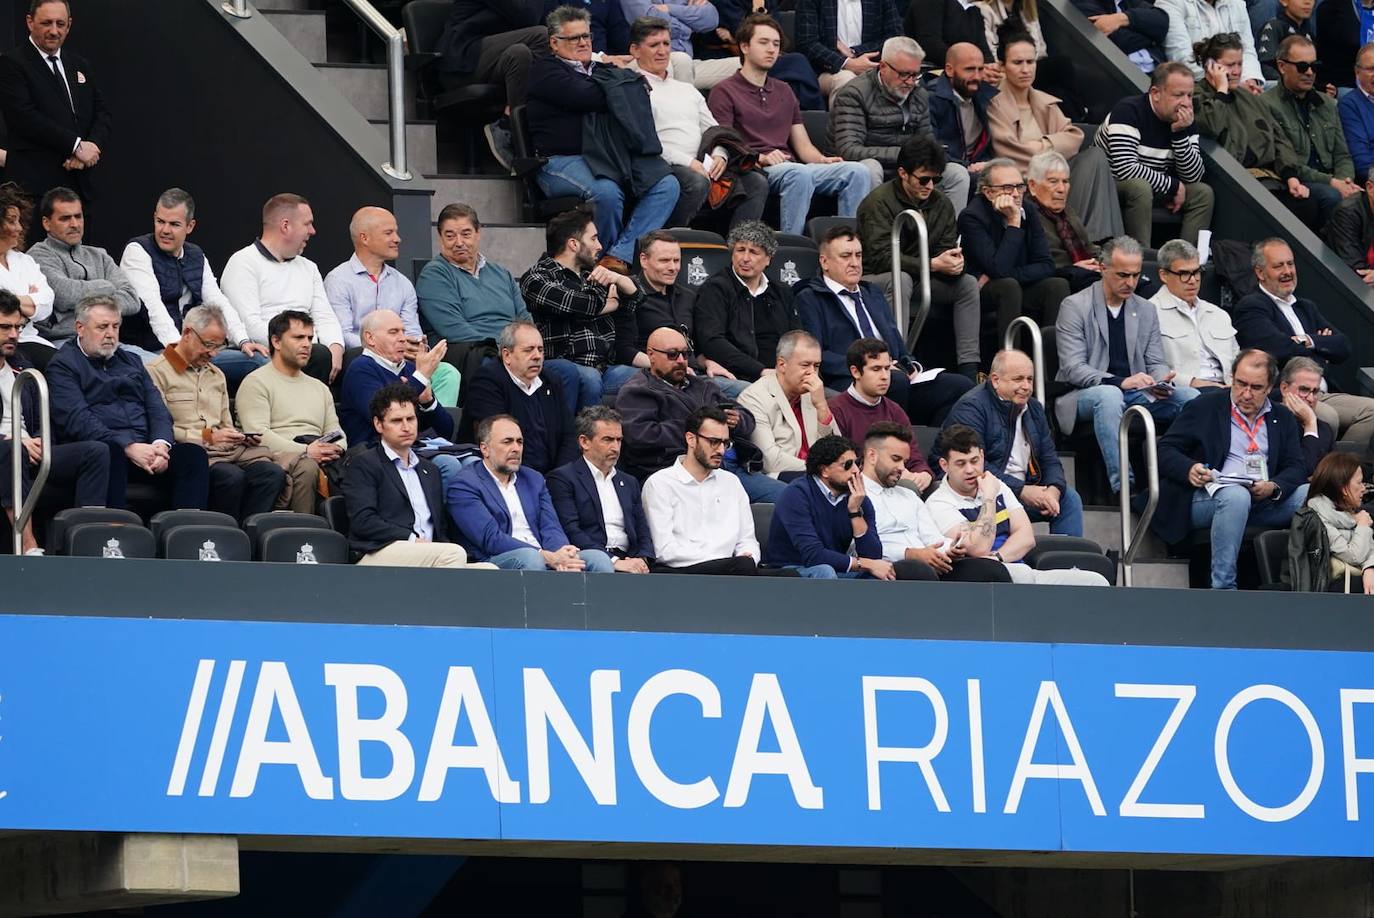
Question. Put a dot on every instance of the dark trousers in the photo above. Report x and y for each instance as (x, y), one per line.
(242, 490)
(927, 403)
(321, 361)
(504, 58)
(83, 467)
(185, 485)
(966, 570)
(1006, 297)
(742, 565)
(695, 188)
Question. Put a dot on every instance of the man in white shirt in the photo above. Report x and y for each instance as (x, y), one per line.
(980, 513)
(1199, 339)
(682, 118)
(172, 276)
(599, 505)
(699, 514)
(911, 539)
(271, 275)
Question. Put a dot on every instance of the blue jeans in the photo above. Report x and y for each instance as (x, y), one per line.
(1105, 404)
(613, 377)
(795, 183)
(1070, 519)
(731, 387)
(529, 559)
(825, 572)
(760, 488)
(235, 365)
(570, 380)
(1325, 197)
(569, 175)
(1227, 513)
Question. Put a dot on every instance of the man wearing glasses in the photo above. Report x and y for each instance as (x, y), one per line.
(1111, 354)
(1199, 339)
(1231, 459)
(1007, 252)
(876, 113)
(1300, 387)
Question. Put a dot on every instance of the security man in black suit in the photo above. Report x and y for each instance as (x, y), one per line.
(57, 120)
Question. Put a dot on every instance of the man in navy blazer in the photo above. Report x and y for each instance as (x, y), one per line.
(383, 363)
(1275, 319)
(1225, 434)
(838, 308)
(395, 499)
(504, 513)
(597, 503)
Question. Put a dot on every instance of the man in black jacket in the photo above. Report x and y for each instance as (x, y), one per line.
(740, 315)
(1299, 387)
(1134, 26)
(57, 119)
(665, 303)
(1351, 231)
(395, 500)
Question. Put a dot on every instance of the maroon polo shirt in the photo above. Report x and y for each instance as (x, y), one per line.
(763, 115)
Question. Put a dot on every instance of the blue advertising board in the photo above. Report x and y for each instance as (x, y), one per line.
(468, 733)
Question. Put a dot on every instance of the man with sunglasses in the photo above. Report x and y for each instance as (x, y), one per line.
(1199, 339)
(1310, 121)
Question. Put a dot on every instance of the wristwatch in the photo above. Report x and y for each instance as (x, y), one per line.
(855, 514)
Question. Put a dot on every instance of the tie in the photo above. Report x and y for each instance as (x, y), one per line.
(865, 326)
(66, 90)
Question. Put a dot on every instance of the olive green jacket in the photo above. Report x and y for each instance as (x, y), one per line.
(878, 211)
(1242, 124)
(1326, 133)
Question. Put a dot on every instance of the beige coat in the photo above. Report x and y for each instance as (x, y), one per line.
(1180, 336)
(198, 399)
(776, 432)
(1048, 128)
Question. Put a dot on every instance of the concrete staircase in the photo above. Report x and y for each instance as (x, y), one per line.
(330, 46)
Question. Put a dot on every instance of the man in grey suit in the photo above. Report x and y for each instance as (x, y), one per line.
(1110, 352)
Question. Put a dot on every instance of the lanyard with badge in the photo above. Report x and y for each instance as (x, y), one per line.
(1256, 466)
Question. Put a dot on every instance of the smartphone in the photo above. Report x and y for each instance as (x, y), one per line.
(727, 406)
(334, 436)
(252, 436)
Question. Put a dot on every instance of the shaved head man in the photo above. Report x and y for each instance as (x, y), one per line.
(668, 355)
(366, 282)
(959, 105)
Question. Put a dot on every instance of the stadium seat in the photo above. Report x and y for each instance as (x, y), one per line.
(260, 524)
(788, 20)
(110, 540)
(167, 520)
(763, 521)
(818, 129)
(65, 520)
(1044, 544)
(303, 545)
(336, 514)
(685, 234)
(1080, 560)
(527, 165)
(925, 439)
(702, 259)
(816, 227)
(796, 241)
(1271, 554)
(205, 542)
(791, 264)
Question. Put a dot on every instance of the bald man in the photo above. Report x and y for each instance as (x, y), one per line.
(959, 107)
(383, 362)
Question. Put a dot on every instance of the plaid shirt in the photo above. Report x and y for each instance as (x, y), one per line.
(567, 307)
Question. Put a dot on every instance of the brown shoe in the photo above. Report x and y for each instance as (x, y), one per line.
(611, 263)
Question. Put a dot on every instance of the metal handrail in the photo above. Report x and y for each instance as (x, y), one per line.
(1037, 350)
(398, 168)
(1130, 540)
(237, 8)
(18, 459)
(899, 307)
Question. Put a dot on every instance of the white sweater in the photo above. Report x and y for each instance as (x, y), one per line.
(680, 117)
(259, 287)
(23, 277)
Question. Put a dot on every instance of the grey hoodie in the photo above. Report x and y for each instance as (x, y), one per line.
(1352, 544)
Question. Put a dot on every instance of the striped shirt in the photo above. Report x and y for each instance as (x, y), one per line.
(1140, 146)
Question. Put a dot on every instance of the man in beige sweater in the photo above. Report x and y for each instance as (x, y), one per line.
(244, 479)
(280, 403)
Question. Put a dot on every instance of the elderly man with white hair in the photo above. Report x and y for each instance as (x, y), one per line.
(876, 112)
(1070, 243)
(383, 362)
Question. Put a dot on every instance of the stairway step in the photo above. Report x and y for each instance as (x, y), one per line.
(513, 246)
(305, 29)
(496, 198)
(422, 148)
(364, 85)
(1103, 526)
(1171, 574)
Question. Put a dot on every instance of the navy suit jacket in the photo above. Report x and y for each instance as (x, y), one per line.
(998, 250)
(818, 28)
(578, 505)
(1202, 433)
(1260, 324)
(825, 317)
(379, 510)
(483, 523)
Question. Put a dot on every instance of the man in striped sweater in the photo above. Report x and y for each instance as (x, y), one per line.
(1152, 145)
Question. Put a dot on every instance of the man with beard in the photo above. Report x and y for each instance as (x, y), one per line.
(102, 393)
(959, 109)
(84, 466)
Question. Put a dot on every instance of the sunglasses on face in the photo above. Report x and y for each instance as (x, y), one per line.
(1301, 66)
(924, 180)
(674, 354)
(848, 464)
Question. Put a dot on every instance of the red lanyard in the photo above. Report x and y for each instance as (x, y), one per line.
(1250, 434)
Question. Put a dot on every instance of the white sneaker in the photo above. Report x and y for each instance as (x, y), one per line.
(34, 553)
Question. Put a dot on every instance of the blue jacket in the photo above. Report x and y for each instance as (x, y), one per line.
(997, 250)
(578, 505)
(1357, 120)
(379, 509)
(112, 401)
(808, 530)
(944, 118)
(482, 521)
(983, 410)
(825, 317)
(1202, 433)
(362, 380)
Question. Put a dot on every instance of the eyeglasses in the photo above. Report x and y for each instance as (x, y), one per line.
(575, 39)
(906, 76)
(674, 354)
(715, 442)
(1307, 391)
(1018, 188)
(1185, 276)
(1301, 66)
(1256, 388)
(211, 346)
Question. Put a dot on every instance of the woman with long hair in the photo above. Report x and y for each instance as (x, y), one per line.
(1335, 495)
(20, 274)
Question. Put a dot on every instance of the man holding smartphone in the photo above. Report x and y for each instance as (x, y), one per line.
(244, 479)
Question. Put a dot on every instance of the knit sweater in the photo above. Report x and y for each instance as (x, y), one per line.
(458, 306)
(259, 286)
(282, 407)
(78, 271)
(851, 418)
(808, 530)
(1139, 145)
(545, 420)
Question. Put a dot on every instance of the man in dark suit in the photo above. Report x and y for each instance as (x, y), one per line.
(395, 500)
(1276, 320)
(57, 119)
(840, 55)
(1231, 459)
(598, 504)
(504, 513)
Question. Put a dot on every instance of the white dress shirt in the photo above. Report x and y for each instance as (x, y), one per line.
(903, 520)
(259, 286)
(693, 521)
(520, 529)
(530, 389)
(681, 118)
(1019, 454)
(1285, 305)
(611, 511)
(139, 267)
(23, 277)
(847, 301)
(396, 368)
(410, 478)
(850, 22)
(7, 375)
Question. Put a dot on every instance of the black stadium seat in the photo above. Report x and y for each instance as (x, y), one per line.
(259, 524)
(1048, 543)
(793, 240)
(336, 513)
(527, 165)
(206, 542)
(303, 545)
(763, 521)
(1271, 555)
(702, 259)
(1080, 560)
(164, 522)
(818, 129)
(793, 263)
(110, 540)
(66, 520)
(817, 227)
